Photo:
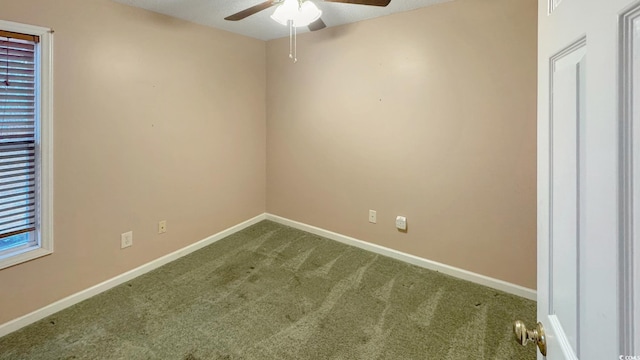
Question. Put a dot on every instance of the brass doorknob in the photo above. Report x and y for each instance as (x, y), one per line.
(523, 336)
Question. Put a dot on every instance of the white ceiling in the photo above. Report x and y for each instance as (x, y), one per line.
(261, 26)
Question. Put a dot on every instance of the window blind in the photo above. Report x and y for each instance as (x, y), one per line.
(17, 133)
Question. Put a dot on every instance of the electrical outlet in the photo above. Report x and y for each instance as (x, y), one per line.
(401, 223)
(126, 239)
(162, 227)
(373, 217)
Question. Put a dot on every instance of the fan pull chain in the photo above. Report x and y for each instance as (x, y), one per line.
(293, 42)
(290, 22)
(295, 45)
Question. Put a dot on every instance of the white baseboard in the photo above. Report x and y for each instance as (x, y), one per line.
(411, 259)
(50, 309)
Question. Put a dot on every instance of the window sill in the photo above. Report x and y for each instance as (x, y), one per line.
(23, 255)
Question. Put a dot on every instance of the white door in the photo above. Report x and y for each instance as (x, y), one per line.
(585, 168)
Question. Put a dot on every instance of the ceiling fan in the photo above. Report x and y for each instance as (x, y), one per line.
(316, 22)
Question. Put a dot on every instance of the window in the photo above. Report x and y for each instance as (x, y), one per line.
(25, 143)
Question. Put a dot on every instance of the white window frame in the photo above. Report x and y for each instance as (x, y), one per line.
(44, 147)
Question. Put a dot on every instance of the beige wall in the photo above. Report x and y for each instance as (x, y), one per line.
(429, 114)
(155, 119)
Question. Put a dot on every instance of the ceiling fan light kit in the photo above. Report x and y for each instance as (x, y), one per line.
(297, 13)
(302, 14)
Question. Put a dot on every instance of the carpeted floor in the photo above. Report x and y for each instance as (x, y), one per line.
(273, 292)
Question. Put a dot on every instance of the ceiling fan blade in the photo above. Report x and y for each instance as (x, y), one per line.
(252, 10)
(363, 2)
(317, 25)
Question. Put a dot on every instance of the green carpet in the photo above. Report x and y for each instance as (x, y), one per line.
(273, 292)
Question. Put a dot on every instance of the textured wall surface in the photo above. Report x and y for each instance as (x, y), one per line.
(430, 114)
(155, 119)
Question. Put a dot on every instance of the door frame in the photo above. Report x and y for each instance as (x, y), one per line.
(629, 200)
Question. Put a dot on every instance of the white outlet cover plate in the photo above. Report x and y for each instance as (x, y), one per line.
(126, 239)
(401, 223)
(372, 216)
(162, 227)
